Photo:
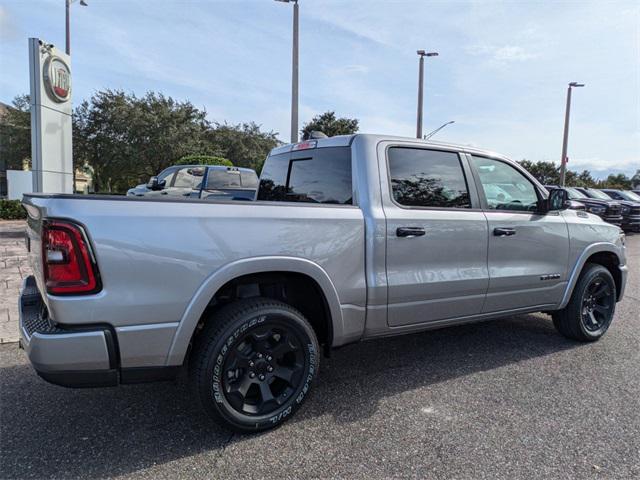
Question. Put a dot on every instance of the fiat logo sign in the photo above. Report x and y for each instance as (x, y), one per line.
(57, 79)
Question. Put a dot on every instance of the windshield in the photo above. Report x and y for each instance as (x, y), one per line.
(574, 194)
(634, 197)
(598, 194)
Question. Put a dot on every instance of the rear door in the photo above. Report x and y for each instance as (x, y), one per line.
(528, 252)
(436, 236)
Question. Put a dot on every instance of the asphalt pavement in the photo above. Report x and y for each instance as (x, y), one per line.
(503, 399)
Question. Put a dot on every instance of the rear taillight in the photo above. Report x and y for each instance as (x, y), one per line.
(69, 268)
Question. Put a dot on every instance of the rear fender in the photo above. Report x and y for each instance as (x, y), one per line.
(247, 266)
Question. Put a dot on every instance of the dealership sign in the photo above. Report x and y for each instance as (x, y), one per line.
(50, 102)
(57, 79)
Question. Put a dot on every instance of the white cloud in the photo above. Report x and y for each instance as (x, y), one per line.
(503, 54)
(7, 27)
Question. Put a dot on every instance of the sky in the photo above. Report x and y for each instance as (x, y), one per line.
(501, 74)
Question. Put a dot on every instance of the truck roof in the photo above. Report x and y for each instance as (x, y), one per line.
(346, 140)
(214, 167)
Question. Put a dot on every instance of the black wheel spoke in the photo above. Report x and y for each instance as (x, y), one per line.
(266, 397)
(601, 290)
(283, 347)
(604, 310)
(237, 392)
(285, 373)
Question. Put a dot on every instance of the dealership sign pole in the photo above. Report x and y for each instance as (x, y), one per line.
(50, 102)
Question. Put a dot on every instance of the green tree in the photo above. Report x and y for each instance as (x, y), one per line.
(124, 139)
(620, 181)
(585, 180)
(331, 126)
(245, 144)
(203, 160)
(15, 134)
(545, 172)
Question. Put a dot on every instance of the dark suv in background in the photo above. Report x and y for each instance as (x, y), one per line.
(631, 221)
(607, 209)
(614, 212)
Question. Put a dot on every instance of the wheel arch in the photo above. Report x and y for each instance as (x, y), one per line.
(253, 267)
(605, 254)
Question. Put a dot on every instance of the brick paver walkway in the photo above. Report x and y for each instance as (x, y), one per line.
(14, 266)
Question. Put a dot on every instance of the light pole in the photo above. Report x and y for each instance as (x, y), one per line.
(565, 139)
(294, 72)
(431, 134)
(67, 5)
(421, 54)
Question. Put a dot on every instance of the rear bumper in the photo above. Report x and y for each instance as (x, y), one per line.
(72, 357)
(80, 355)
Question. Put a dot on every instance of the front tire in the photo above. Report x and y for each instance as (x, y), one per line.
(254, 363)
(590, 310)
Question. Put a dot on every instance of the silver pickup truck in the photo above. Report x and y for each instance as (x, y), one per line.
(350, 238)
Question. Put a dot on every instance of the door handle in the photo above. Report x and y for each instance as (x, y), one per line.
(410, 231)
(504, 232)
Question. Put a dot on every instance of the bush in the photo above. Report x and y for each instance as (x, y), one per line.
(12, 210)
(204, 160)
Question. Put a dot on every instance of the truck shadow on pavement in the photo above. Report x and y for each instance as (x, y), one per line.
(53, 432)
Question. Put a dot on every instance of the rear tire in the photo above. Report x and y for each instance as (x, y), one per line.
(254, 363)
(590, 310)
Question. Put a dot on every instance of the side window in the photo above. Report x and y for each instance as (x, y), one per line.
(189, 177)
(249, 180)
(167, 175)
(217, 178)
(505, 188)
(427, 178)
(273, 180)
(320, 175)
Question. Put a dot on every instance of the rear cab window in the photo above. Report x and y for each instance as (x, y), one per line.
(218, 179)
(320, 175)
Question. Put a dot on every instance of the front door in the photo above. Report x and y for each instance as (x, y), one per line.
(528, 251)
(436, 236)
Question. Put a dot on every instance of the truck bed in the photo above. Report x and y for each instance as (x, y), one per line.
(158, 257)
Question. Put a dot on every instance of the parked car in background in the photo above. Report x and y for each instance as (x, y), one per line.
(593, 205)
(213, 182)
(573, 204)
(629, 199)
(350, 238)
(613, 210)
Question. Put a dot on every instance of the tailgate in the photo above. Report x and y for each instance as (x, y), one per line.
(35, 206)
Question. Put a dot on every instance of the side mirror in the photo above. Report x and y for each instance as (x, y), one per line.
(558, 200)
(155, 184)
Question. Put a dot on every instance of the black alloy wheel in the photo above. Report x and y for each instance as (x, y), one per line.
(253, 364)
(264, 368)
(592, 305)
(597, 304)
